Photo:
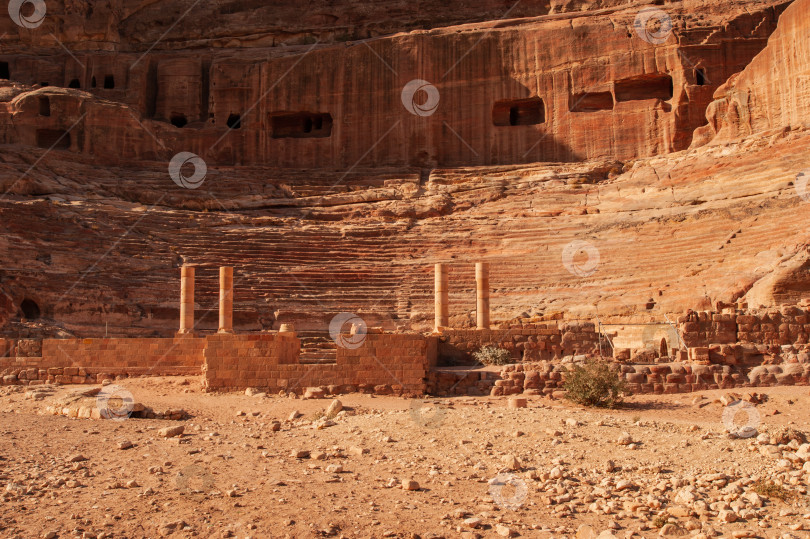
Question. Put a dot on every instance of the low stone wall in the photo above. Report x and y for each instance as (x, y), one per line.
(546, 378)
(78, 361)
(526, 342)
(786, 326)
(383, 363)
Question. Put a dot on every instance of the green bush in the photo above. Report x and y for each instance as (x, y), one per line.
(492, 355)
(594, 384)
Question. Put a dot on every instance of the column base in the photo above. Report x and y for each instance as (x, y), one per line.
(223, 330)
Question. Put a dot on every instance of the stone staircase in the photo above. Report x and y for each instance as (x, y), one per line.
(317, 348)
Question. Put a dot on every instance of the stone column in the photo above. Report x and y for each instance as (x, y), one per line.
(187, 299)
(482, 289)
(226, 299)
(442, 306)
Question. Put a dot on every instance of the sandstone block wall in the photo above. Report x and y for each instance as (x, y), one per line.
(383, 363)
(78, 361)
(526, 342)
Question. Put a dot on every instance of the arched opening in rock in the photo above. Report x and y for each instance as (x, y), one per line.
(663, 350)
(57, 139)
(234, 121)
(4, 71)
(30, 309)
(301, 125)
(109, 82)
(700, 76)
(93, 82)
(74, 83)
(519, 112)
(44, 84)
(44, 105)
(178, 120)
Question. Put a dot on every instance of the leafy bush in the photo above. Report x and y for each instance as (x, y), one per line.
(594, 384)
(492, 355)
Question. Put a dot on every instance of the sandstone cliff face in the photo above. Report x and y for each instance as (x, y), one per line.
(560, 87)
(773, 92)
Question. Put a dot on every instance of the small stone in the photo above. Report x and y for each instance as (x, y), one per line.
(50, 535)
(511, 462)
(230, 493)
(300, 454)
(357, 451)
(132, 484)
(250, 391)
(625, 439)
(518, 402)
(571, 422)
(410, 484)
(77, 458)
(669, 529)
(314, 393)
(726, 516)
(609, 466)
(585, 532)
(275, 426)
(124, 444)
(503, 531)
(295, 414)
(318, 455)
(334, 468)
(335, 407)
(170, 432)
(473, 522)
(240, 413)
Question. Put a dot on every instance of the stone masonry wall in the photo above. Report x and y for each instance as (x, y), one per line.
(526, 342)
(78, 361)
(383, 363)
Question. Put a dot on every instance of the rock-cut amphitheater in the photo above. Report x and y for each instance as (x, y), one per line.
(209, 188)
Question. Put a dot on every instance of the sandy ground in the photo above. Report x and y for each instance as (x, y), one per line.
(231, 475)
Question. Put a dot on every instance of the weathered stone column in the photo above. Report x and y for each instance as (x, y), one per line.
(442, 305)
(226, 299)
(187, 299)
(482, 296)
